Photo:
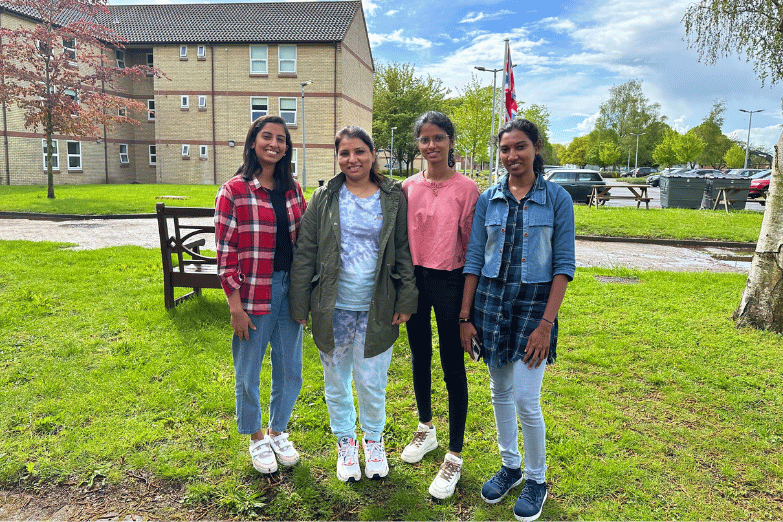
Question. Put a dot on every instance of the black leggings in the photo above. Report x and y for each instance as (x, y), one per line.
(441, 290)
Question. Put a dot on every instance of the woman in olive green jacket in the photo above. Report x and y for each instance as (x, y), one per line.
(352, 271)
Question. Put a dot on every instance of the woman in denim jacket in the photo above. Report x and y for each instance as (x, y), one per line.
(520, 259)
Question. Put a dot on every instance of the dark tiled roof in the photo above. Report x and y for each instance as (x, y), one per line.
(318, 21)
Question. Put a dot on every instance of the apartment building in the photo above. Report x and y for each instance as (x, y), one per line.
(225, 65)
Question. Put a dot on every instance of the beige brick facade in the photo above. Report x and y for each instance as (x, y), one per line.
(214, 131)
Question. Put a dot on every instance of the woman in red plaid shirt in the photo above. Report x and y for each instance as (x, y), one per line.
(257, 216)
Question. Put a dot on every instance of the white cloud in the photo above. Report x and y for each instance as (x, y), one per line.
(558, 24)
(397, 38)
(392, 12)
(473, 17)
(587, 124)
(370, 7)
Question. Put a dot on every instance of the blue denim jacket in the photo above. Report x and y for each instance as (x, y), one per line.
(548, 248)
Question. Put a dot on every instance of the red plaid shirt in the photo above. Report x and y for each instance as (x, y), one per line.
(245, 227)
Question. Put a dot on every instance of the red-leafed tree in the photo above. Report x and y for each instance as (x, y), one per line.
(57, 71)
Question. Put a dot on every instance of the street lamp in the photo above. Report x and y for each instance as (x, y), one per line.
(747, 146)
(391, 154)
(304, 166)
(636, 161)
(492, 132)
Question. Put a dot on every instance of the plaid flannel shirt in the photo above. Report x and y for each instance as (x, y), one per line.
(245, 227)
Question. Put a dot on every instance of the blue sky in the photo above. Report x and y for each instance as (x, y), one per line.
(569, 54)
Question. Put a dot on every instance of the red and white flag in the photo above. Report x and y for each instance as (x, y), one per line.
(508, 87)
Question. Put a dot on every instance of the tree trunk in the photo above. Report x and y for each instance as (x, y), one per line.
(762, 301)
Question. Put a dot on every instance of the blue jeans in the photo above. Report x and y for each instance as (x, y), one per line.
(516, 390)
(347, 362)
(285, 336)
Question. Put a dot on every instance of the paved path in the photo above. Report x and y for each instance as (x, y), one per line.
(100, 233)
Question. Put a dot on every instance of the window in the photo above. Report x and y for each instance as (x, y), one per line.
(288, 110)
(69, 48)
(185, 151)
(201, 52)
(258, 59)
(562, 176)
(258, 107)
(74, 155)
(55, 155)
(120, 59)
(124, 158)
(153, 155)
(72, 95)
(150, 63)
(183, 51)
(122, 111)
(202, 151)
(151, 110)
(202, 101)
(184, 101)
(286, 56)
(294, 156)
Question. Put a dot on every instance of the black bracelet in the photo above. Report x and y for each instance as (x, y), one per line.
(548, 321)
(464, 320)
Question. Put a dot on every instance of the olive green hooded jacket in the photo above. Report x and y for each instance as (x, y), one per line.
(316, 267)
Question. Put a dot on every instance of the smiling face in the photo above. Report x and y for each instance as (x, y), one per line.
(434, 143)
(355, 159)
(517, 153)
(270, 146)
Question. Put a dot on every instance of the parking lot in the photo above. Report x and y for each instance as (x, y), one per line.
(655, 199)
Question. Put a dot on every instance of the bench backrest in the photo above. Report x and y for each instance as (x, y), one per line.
(187, 239)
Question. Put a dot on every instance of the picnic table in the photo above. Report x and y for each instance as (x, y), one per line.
(600, 194)
(727, 196)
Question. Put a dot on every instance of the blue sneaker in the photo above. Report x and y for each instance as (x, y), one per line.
(498, 486)
(530, 502)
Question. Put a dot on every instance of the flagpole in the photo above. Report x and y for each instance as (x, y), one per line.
(503, 107)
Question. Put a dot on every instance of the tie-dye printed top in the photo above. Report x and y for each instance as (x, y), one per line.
(360, 231)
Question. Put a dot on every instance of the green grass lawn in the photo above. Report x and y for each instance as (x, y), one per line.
(658, 407)
(613, 221)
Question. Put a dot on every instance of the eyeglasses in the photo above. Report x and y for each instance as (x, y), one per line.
(437, 139)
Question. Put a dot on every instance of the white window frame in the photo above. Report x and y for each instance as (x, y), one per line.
(124, 157)
(261, 63)
(202, 101)
(185, 150)
(55, 154)
(122, 111)
(201, 51)
(294, 157)
(284, 112)
(150, 62)
(70, 50)
(289, 61)
(183, 51)
(255, 114)
(151, 108)
(120, 59)
(184, 101)
(202, 151)
(153, 154)
(77, 156)
(75, 97)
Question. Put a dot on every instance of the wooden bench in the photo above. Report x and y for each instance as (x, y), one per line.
(727, 196)
(193, 269)
(600, 194)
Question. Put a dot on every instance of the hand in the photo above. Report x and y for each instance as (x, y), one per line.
(242, 324)
(400, 318)
(467, 332)
(537, 349)
(303, 322)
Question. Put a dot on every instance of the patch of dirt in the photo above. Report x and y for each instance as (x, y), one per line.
(132, 500)
(616, 279)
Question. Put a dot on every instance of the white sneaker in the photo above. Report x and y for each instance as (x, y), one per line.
(263, 457)
(348, 469)
(446, 480)
(375, 464)
(285, 451)
(424, 441)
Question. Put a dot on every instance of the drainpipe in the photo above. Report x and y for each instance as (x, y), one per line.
(105, 143)
(212, 94)
(5, 120)
(334, 102)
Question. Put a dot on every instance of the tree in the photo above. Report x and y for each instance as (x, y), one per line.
(664, 153)
(734, 157)
(58, 71)
(688, 147)
(577, 151)
(754, 28)
(472, 115)
(558, 153)
(539, 115)
(399, 98)
(716, 143)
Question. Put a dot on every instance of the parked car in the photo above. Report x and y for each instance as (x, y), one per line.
(745, 173)
(655, 179)
(759, 184)
(577, 182)
(703, 172)
(641, 172)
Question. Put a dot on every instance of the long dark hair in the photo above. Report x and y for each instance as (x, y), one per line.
(530, 129)
(352, 131)
(441, 121)
(284, 179)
